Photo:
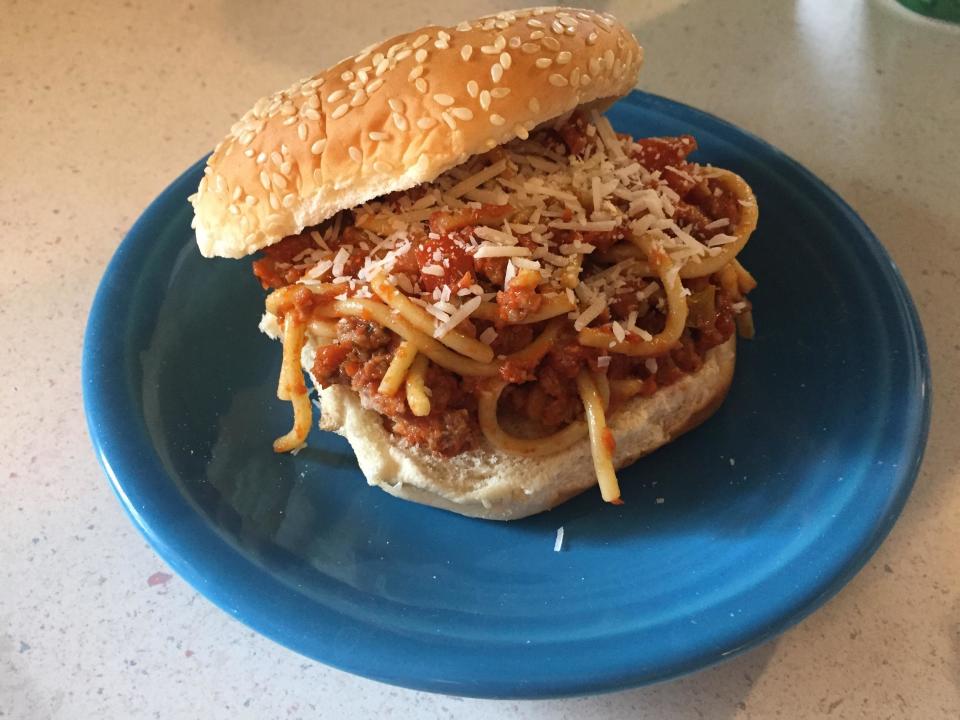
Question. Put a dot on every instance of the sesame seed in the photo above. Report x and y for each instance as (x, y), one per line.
(374, 86)
(234, 210)
(445, 116)
(261, 158)
(462, 113)
(496, 72)
(534, 105)
(543, 63)
(318, 146)
(502, 24)
(585, 79)
(443, 99)
(466, 51)
(347, 76)
(521, 131)
(567, 21)
(247, 138)
(362, 76)
(557, 27)
(464, 26)
(237, 192)
(382, 67)
(485, 99)
(488, 24)
(592, 38)
(415, 73)
(489, 50)
(571, 31)
(425, 123)
(551, 43)
(497, 119)
(249, 152)
(288, 200)
(382, 166)
(359, 98)
(608, 58)
(355, 153)
(279, 180)
(441, 45)
(472, 88)
(286, 168)
(443, 35)
(583, 15)
(595, 65)
(533, 22)
(377, 59)
(564, 57)
(403, 55)
(309, 113)
(421, 85)
(575, 77)
(536, 35)
(490, 143)
(250, 200)
(420, 55)
(274, 201)
(500, 92)
(378, 136)
(395, 105)
(314, 101)
(290, 120)
(506, 60)
(558, 80)
(515, 42)
(421, 39)
(400, 121)
(530, 48)
(277, 158)
(336, 95)
(340, 111)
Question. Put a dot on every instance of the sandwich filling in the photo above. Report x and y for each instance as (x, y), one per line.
(520, 298)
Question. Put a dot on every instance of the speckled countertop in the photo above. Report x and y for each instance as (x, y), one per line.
(103, 103)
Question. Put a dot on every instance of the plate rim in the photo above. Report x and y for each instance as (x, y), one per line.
(104, 432)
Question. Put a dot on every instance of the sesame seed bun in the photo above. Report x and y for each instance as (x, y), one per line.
(401, 113)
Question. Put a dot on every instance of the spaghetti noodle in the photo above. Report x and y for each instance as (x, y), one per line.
(569, 289)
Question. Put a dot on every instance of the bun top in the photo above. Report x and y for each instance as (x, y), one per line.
(401, 113)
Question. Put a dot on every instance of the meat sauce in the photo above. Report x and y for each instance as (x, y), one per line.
(544, 391)
(360, 356)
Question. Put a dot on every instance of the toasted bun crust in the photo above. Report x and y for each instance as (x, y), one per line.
(488, 484)
(401, 113)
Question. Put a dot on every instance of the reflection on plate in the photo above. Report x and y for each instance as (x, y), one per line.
(728, 535)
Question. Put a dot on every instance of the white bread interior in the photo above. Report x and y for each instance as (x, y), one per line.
(493, 485)
(401, 113)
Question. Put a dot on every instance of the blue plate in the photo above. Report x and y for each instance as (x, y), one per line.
(728, 536)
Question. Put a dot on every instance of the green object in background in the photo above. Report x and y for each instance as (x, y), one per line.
(940, 9)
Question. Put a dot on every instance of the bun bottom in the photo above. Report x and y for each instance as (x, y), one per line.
(485, 483)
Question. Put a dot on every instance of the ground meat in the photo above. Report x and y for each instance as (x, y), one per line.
(512, 338)
(448, 253)
(448, 434)
(658, 152)
(517, 302)
(573, 133)
(364, 334)
(326, 365)
(493, 269)
(274, 268)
